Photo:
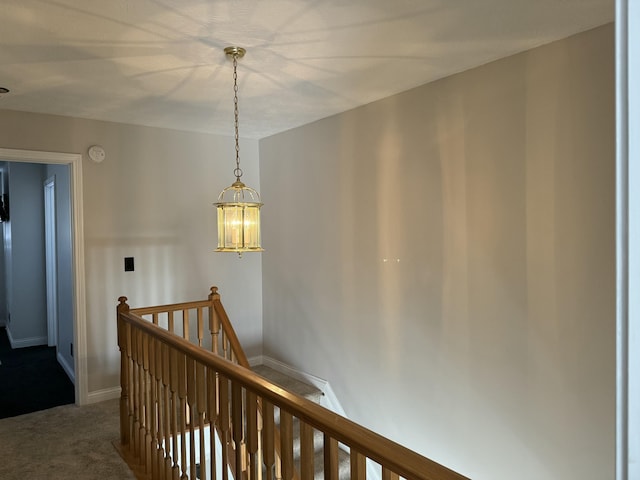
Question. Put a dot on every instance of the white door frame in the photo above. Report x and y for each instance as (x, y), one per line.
(51, 260)
(627, 239)
(74, 160)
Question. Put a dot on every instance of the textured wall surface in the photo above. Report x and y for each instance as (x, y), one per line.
(445, 258)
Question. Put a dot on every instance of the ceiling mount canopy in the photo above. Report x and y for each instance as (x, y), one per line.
(235, 52)
(238, 206)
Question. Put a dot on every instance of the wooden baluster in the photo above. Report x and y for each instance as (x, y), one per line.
(223, 416)
(286, 444)
(182, 392)
(225, 345)
(358, 464)
(159, 411)
(139, 396)
(191, 407)
(124, 343)
(214, 328)
(212, 416)
(141, 399)
(162, 427)
(259, 457)
(168, 431)
(187, 409)
(153, 408)
(252, 433)
(170, 322)
(175, 411)
(166, 409)
(388, 474)
(307, 468)
(268, 451)
(133, 407)
(200, 326)
(132, 390)
(201, 406)
(155, 318)
(214, 320)
(146, 383)
(330, 458)
(135, 334)
(237, 426)
(185, 324)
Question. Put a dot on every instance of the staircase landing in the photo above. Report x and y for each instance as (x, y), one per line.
(288, 383)
(312, 393)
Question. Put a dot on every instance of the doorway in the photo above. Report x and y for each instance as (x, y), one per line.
(76, 284)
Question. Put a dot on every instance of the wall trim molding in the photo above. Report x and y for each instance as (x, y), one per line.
(74, 160)
(66, 367)
(103, 395)
(627, 240)
(25, 342)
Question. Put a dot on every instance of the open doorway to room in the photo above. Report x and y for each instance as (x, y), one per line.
(36, 343)
(69, 353)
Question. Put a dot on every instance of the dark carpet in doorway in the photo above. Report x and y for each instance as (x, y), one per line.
(31, 379)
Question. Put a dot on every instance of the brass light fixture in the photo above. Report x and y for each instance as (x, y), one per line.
(238, 205)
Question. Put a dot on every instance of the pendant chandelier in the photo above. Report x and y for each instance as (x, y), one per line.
(238, 205)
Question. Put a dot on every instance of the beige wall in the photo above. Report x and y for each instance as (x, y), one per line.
(445, 258)
(486, 338)
(151, 199)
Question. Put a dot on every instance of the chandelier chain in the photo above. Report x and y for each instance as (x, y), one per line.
(238, 171)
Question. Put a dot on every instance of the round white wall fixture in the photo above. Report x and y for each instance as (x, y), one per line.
(97, 153)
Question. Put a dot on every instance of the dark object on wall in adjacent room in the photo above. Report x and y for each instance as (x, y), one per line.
(4, 208)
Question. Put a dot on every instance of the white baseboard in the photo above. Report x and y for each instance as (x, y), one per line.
(103, 395)
(257, 360)
(25, 342)
(329, 399)
(66, 367)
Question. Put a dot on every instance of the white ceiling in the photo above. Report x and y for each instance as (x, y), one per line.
(161, 62)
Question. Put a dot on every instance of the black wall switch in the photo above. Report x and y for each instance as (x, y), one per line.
(128, 264)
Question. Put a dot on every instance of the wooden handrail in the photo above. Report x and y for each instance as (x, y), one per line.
(173, 307)
(392, 456)
(237, 349)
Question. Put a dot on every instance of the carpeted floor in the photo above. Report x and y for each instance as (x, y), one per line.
(66, 442)
(31, 379)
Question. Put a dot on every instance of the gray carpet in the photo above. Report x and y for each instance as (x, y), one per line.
(70, 442)
(65, 442)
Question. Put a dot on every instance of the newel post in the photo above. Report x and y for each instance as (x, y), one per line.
(124, 344)
(214, 295)
(214, 321)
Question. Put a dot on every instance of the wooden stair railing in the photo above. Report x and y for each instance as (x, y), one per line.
(176, 318)
(178, 396)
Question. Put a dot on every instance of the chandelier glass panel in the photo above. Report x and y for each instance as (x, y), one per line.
(238, 206)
